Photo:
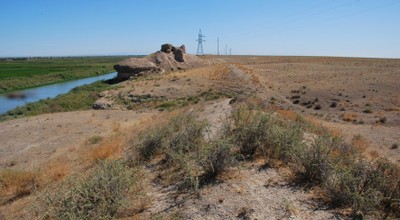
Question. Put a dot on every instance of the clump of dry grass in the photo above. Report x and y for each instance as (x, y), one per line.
(350, 117)
(101, 195)
(55, 172)
(108, 149)
(359, 142)
(16, 184)
(291, 115)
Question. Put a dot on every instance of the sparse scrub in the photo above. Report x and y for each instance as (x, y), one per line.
(100, 196)
(367, 187)
(150, 143)
(190, 157)
(259, 133)
(250, 130)
(313, 153)
(217, 156)
(349, 187)
(327, 161)
(314, 162)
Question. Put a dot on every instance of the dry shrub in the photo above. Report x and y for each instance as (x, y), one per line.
(258, 133)
(108, 149)
(188, 157)
(216, 157)
(54, 172)
(348, 187)
(291, 115)
(335, 132)
(99, 196)
(16, 184)
(150, 143)
(366, 187)
(250, 130)
(359, 142)
(350, 117)
(95, 139)
(315, 162)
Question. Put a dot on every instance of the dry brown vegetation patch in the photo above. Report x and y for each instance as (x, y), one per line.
(109, 148)
(16, 184)
(288, 114)
(55, 171)
(213, 72)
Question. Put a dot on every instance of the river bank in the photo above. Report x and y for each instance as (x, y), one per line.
(76, 98)
(23, 73)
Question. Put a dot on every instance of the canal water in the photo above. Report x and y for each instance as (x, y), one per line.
(23, 97)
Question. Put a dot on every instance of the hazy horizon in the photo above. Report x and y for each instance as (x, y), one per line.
(339, 28)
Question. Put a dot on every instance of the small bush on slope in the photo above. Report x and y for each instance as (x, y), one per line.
(315, 162)
(191, 158)
(100, 196)
(259, 133)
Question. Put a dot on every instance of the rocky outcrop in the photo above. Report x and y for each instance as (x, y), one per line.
(134, 66)
(169, 58)
(167, 48)
(179, 55)
(103, 103)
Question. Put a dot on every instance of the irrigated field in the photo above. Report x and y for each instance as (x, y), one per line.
(23, 73)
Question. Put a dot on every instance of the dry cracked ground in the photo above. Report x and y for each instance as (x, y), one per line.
(356, 98)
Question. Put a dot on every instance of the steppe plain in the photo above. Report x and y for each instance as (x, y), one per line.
(357, 98)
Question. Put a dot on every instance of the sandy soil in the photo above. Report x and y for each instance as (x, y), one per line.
(355, 96)
(28, 143)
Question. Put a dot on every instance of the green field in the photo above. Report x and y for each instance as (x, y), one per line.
(23, 73)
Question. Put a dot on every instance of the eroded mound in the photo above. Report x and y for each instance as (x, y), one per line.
(169, 58)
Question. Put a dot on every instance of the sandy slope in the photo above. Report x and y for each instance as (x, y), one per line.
(31, 142)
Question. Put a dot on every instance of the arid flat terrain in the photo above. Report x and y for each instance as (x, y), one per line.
(356, 98)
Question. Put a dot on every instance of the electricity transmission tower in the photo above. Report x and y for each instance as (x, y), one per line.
(218, 46)
(200, 41)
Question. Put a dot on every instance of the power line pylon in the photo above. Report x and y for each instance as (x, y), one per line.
(218, 46)
(200, 41)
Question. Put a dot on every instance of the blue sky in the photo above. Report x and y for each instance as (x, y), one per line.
(361, 28)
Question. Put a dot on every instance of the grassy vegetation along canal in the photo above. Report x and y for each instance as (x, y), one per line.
(21, 73)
